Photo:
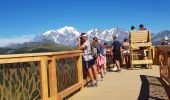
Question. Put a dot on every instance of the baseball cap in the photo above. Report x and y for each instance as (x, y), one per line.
(83, 34)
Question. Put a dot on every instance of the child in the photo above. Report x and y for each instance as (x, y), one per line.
(104, 54)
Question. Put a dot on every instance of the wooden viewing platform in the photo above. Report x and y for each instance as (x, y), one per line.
(57, 75)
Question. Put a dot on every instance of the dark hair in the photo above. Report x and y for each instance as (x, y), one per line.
(125, 40)
(132, 27)
(115, 37)
(141, 26)
(95, 39)
(105, 43)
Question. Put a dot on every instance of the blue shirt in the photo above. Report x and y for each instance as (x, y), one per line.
(116, 44)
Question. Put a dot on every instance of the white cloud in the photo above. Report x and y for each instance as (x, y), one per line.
(14, 40)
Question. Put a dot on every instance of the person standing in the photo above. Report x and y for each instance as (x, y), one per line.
(116, 46)
(98, 56)
(126, 52)
(87, 57)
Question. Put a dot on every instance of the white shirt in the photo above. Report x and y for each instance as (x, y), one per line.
(87, 51)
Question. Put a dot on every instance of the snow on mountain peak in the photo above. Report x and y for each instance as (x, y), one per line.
(68, 29)
(68, 35)
(48, 32)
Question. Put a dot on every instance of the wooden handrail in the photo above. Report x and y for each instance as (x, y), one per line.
(44, 67)
(39, 54)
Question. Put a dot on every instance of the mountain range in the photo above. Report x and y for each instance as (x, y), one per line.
(69, 35)
(66, 39)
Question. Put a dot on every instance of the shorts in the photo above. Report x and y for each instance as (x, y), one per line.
(117, 56)
(126, 53)
(88, 64)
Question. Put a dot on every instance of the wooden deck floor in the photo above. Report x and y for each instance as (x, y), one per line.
(140, 84)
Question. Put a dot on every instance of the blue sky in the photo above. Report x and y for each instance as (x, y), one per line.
(31, 17)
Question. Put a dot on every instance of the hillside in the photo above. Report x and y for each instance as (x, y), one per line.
(159, 37)
(37, 48)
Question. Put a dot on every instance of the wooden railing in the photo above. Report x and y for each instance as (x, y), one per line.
(40, 75)
(162, 58)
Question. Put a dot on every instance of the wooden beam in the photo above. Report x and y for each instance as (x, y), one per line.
(69, 90)
(43, 78)
(80, 70)
(142, 61)
(40, 54)
(53, 79)
(140, 44)
(16, 60)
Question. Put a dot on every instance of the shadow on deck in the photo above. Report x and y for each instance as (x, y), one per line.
(153, 88)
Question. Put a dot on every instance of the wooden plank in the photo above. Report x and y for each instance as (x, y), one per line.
(69, 90)
(66, 56)
(142, 61)
(53, 79)
(80, 70)
(43, 78)
(140, 44)
(16, 60)
(40, 54)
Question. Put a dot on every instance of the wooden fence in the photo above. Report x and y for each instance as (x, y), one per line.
(162, 57)
(40, 75)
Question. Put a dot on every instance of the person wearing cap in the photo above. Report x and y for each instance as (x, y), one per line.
(166, 41)
(116, 46)
(88, 62)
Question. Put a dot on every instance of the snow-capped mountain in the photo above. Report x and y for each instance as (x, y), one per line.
(68, 35)
(106, 35)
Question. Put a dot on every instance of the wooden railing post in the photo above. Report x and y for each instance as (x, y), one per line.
(53, 80)
(43, 78)
(80, 70)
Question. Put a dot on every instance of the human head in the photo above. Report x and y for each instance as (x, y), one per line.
(115, 37)
(105, 45)
(141, 26)
(125, 40)
(95, 39)
(133, 27)
(84, 37)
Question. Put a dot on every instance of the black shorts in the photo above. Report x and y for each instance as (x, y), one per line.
(88, 64)
(117, 56)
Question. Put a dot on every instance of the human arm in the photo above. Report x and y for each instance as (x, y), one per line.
(80, 47)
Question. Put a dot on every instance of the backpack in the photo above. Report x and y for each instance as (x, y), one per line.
(93, 50)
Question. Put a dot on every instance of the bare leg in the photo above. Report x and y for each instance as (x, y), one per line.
(118, 64)
(126, 61)
(95, 71)
(91, 75)
(105, 66)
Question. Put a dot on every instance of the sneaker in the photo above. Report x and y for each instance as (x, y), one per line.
(114, 69)
(102, 79)
(94, 84)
